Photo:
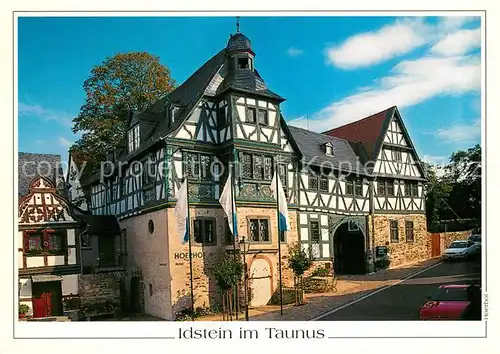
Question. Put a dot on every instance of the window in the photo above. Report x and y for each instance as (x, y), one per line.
(243, 63)
(221, 116)
(411, 189)
(259, 167)
(133, 138)
(204, 231)
(199, 166)
(259, 230)
(263, 120)
(314, 231)
(114, 191)
(329, 149)
(409, 231)
(247, 166)
(354, 187)
(250, 118)
(313, 180)
(55, 242)
(34, 241)
(150, 289)
(393, 224)
(52, 241)
(380, 188)
(389, 187)
(414, 190)
(323, 183)
(397, 156)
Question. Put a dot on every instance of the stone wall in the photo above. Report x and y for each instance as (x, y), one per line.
(99, 294)
(403, 251)
(206, 292)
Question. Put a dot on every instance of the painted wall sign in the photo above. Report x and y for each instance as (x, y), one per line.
(185, 255)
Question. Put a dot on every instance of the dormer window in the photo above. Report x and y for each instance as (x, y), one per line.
(133, 139)
(329, 149)
(173, 110)
(243, 63)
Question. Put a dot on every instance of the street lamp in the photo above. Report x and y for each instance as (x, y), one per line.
(245, 276)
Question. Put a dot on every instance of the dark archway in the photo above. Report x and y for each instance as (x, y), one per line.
(349, 251)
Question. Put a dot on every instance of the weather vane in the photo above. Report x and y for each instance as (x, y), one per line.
(237, 24)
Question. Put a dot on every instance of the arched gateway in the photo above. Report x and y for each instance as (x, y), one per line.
(349, 249)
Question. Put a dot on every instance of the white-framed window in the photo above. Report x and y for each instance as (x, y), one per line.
(133, 138)
(329, 149)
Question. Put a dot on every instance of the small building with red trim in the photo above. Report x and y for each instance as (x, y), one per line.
(49, 259)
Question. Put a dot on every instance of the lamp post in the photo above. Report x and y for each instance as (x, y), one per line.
(245, 276)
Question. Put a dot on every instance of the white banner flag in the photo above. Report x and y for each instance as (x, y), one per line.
(228, 203)
(181, 211)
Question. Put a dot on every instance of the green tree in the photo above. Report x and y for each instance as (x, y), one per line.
(228, 273)
(299, 262)
(122, 83)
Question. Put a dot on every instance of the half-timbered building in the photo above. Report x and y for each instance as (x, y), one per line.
(48, 249)
(349, 190)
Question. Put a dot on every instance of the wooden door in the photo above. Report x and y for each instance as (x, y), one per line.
(135, 295)
(47, 299)
(435, 245)
(260, 280)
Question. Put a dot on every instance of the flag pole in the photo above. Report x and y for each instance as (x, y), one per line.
(188, 229)
(279, 233)
(235, 232)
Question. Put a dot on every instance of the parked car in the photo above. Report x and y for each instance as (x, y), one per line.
(460, 250)
(475, 238)
(450, 302)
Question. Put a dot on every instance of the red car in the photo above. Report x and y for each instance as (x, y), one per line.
(447, 303)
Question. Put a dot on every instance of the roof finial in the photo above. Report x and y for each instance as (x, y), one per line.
(237, 24)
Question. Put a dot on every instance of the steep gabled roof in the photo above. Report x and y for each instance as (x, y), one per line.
(309, 144)
(368, 132)
(247, 81)
(32, 165)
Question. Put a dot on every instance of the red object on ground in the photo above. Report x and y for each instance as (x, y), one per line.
(447, 303)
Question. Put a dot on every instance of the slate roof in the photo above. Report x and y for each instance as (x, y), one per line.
(101, 224)
(32, 165)
(310, 143)
(366, 132)
(239, 41)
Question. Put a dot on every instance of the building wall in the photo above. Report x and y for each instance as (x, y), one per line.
(402, 252)
(99, 293)
(446, 238)
(150, 252)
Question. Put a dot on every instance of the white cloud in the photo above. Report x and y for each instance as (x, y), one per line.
(370, 48)
(460, 132)
(435, 160)
(294, 52)
(454, 22)
(65, 142)
(45, 114)
(459, 42)
(39, 141)
(410, 82)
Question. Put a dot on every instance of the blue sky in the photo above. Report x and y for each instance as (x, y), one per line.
(332, 70)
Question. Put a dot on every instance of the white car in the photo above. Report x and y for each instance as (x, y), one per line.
(475, 238)
(460, 250)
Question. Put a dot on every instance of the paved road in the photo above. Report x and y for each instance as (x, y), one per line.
(403, 301)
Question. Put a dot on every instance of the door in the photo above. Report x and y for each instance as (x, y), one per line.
(106, 250)
(435, 245)
(135, 291)
(260, 282)
(47, 299)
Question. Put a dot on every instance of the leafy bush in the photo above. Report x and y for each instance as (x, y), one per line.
(298, 260)
(228, 272)
(24, 309)
(186, 314)
(321, 272)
